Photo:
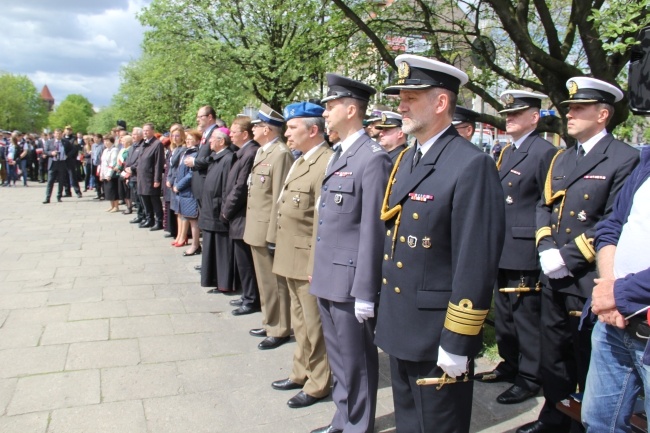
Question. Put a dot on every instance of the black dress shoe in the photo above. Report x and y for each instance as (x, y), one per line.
(245, 309)
(272, 342)
(301, 400)
(494, 376)
(515, 394)
(67, 195)
(285, 385)
(136, 220)
(195, 253)
(236, 302)
(146, 224)
(538, 427)
(255, 332)
(79, 195)
(156, 227)
(58, 199)
(168, 235)
(327, 429)
(128, 212)
(197, 268)
(47, 200)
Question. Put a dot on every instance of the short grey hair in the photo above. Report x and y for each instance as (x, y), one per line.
(318, 121)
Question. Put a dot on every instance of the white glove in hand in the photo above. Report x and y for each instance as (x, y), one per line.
(551, 261)
(363, 310)
(560, 273)
(453, 365)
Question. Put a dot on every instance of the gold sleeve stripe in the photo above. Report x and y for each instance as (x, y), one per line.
(464, 319)
(462, 329)
(585, 245)
(542, 233)
(503, 151)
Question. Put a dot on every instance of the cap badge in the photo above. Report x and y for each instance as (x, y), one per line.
(383, 118)
(403, 72)
(573, 88)
(509, 98)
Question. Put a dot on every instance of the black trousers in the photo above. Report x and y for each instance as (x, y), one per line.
(424, 408)
(244, 264)
(56, 173)
(566, 351)
(73, 183)
(152, 207)
(135, 199)
(517, 325)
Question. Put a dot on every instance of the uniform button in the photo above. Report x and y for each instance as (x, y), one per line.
(339, 186)
(509, 183)
(416, 216)
(568, 230)
(282, 201)
(350, 262)
(384, 281)
(385, 256)
(318, 239)
(556, 210)
(586, 196)
(399, 265)
(402, 239)
(553, 226)
(397, 290)
(387, 232)
(572, 213)
(320, 222)
(325, 188)
(322, 204)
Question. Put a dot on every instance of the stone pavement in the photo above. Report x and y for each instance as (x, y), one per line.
(105, 328)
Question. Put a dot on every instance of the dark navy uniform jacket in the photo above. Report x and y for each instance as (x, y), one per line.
(575, 199)
(523, 173)
(437, 283)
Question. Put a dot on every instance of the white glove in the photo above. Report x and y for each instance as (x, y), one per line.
(453, 365)
(551, 261)
(363, 310)
(560, 273)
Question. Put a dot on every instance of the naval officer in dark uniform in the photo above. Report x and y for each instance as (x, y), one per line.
(391, 136)
(347, 256)
(517, 299)
(465, 122)
(444, 213)
(580, 189)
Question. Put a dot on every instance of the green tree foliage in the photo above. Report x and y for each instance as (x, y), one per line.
(103, 120)
(21, 106)
(538, 45)
(74, 110)
(272, 50)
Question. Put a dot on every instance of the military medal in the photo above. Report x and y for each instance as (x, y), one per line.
(582, 216)
(296, 200)
(412, 241)
(420, 197)
(338, 198)
(262, 179)
(343, 173)
(426, 242)
(509, 200)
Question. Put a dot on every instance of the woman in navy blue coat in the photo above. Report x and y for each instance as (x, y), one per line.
(188, 208)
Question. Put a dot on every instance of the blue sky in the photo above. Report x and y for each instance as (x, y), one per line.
(73, 46)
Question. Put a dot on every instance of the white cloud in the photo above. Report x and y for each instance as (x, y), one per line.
(73, 46)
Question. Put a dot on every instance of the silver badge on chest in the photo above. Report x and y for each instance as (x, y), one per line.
(582, 216)
(338, 198)
(412, 241)
(509, 200)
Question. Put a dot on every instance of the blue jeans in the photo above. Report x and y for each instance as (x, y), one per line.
(616, 375)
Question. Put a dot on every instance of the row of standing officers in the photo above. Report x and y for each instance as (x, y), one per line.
(355, 255)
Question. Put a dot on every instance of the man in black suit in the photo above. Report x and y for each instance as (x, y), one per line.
(206, 118)
(71, 163)
(580, 189)
(56, 169)
(522, 169)
(130, 168)
(149, 169)
(233, 211)
(444, 214)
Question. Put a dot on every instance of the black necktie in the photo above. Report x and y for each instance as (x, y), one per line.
(416, 158)
(580, 153)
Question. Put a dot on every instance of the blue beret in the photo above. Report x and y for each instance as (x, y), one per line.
(302, 109)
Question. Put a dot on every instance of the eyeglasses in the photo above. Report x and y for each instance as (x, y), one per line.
(201, 115)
